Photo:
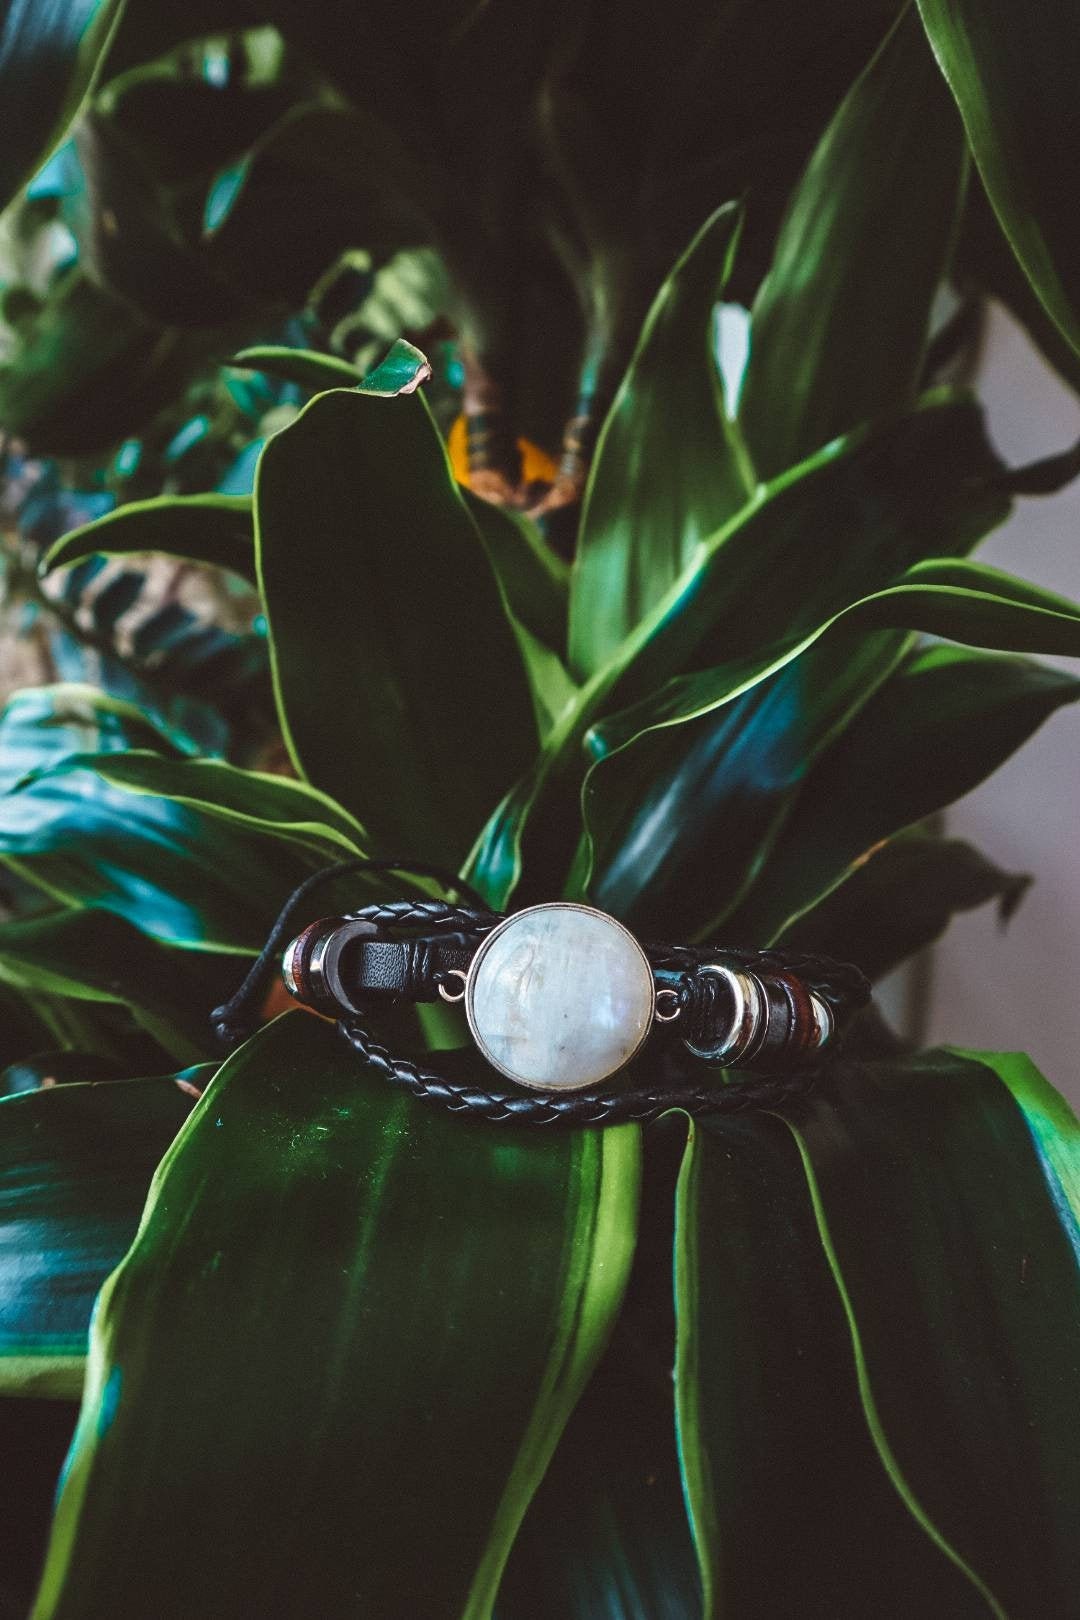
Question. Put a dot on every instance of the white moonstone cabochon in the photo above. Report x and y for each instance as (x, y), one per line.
(560, 997)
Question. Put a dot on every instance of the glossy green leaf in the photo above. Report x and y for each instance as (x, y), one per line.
(50, 55)
(335, 1260)
(254, 800)
(213, 529)
(992, 54)
(715, 760)
(668, 469)
(839, 328)
(534, 578)
(75, 1164)
(1052, 1125)
(534, 582)
(401, 371)
(941, 725)
(306, 367)
(426, 662)
(984, 263)
(719, 780)
(884, 498)
(891, 1269)
(97, 956)
(606, 1537)
(181, 875)
(771, 1428)
(176, 873)
(42, 725)
(38, 1433)
(900, 897)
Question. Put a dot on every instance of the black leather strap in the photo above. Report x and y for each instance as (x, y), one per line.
(412, 969)
(706, 1092)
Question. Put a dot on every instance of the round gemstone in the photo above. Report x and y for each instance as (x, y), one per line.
(560, 997)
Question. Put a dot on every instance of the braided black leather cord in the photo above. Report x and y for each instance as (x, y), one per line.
(638, 1104)
(428, 913)
(842, 984)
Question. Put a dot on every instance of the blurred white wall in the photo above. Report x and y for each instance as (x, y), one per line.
(1021, 988)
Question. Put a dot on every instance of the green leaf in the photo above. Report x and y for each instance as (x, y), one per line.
(279, 219)
(365, 546)
(941, 725)
(866, 1274)
(714, 760)
(142, 255)
(401, 371)
(668, 468)
(366, 1289)
(992, 53)
(175, 872)
(900, 897)
(884, 498)
(984, 263)
(213, 529)
(95, 956)
(49, 59)
(771, 1429)
(303, 366)
(37, 1432)
(1051, 1123)
(839, 328)
(43, 725)
(181, 875)
(534, 582)
(719, 779)
(84, 369)
(534, 578)
(75, 1163)
(265, 804)
(606, 1536)
(24, 1028)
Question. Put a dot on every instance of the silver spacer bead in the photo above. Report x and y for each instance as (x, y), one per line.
(749, 1018)
(824, 1023)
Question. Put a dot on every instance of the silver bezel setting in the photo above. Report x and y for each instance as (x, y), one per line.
(476, 965)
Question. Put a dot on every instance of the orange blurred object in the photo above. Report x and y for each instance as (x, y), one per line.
(537, 467)
(279, 1000)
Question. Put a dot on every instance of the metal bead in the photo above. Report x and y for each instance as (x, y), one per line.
(302, 981)
(749, 1017)
(824, 1023)
(311, 964)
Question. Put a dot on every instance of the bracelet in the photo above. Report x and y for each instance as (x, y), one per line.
(560, 998)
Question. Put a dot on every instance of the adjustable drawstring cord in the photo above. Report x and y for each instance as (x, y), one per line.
(238, 1017)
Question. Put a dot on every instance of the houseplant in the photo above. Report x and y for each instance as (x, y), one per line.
(365, 1358)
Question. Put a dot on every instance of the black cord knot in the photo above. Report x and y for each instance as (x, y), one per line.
(229, 1031)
